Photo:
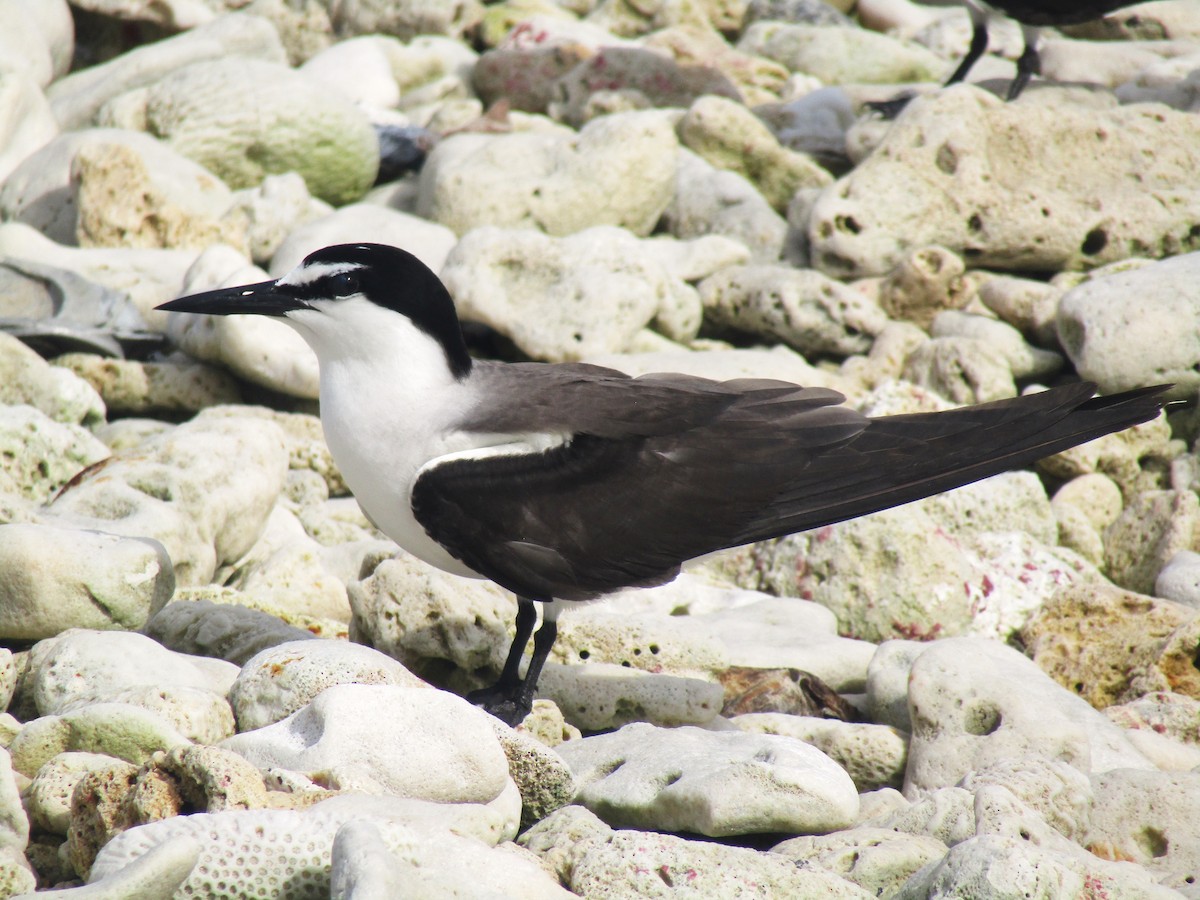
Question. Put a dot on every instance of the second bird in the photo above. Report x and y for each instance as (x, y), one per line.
(1032, 14)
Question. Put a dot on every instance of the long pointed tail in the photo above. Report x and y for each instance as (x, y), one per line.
(898, 459)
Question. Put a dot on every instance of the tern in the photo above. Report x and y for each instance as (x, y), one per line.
(1033, 15)
(563, 482)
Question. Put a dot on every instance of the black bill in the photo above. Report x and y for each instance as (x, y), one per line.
(265, 299)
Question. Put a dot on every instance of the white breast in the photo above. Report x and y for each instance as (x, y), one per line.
(389, 408)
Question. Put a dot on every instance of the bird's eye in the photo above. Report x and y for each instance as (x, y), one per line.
(344, 284)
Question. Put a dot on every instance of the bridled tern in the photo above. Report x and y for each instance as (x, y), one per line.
(565, 482)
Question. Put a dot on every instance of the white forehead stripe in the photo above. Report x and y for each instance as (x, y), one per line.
(302, 274)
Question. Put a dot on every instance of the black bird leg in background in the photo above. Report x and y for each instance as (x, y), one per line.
(1029, 63)
(889, 109)
(979, 43)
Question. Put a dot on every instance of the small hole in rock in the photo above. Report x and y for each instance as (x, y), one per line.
(1154, 842)
(981, 719)
(1095, 241)
(848, 223)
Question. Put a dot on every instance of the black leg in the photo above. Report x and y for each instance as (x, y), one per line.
(526, 618)
(543, 641)
(889, 109)
(510, 699)
(979, 42)
(1028, 64)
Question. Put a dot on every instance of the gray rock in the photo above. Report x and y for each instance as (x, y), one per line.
(874, 756)
(1179, 579)
(815, 124)
(943, 172)
(708, 200)
(799, 307)
(593, 860)
(258, 848)
(387, 739)
(26, 121)
(876, 859)
(27, 379)
(59, 577)
(979, 702)
(282, 679)
(714, 783)
(1024, 361)
(77, 98)
(178, 489)
(991, 867)
(377, 860)
(147, 276)
(619, 170)
(79, 667)
(159, 872)
(53, 310)
(1119, 347)
(282, 121)
(838, 55)
(39, 455)
(608, 286)
(220, 630)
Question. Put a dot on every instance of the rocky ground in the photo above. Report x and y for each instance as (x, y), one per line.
(688, 185)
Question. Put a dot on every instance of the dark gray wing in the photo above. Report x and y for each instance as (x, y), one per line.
(578, 521)
(1058, 12)
(627, 506)
(579, 398)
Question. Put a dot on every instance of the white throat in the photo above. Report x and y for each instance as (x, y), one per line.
(389, 405)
